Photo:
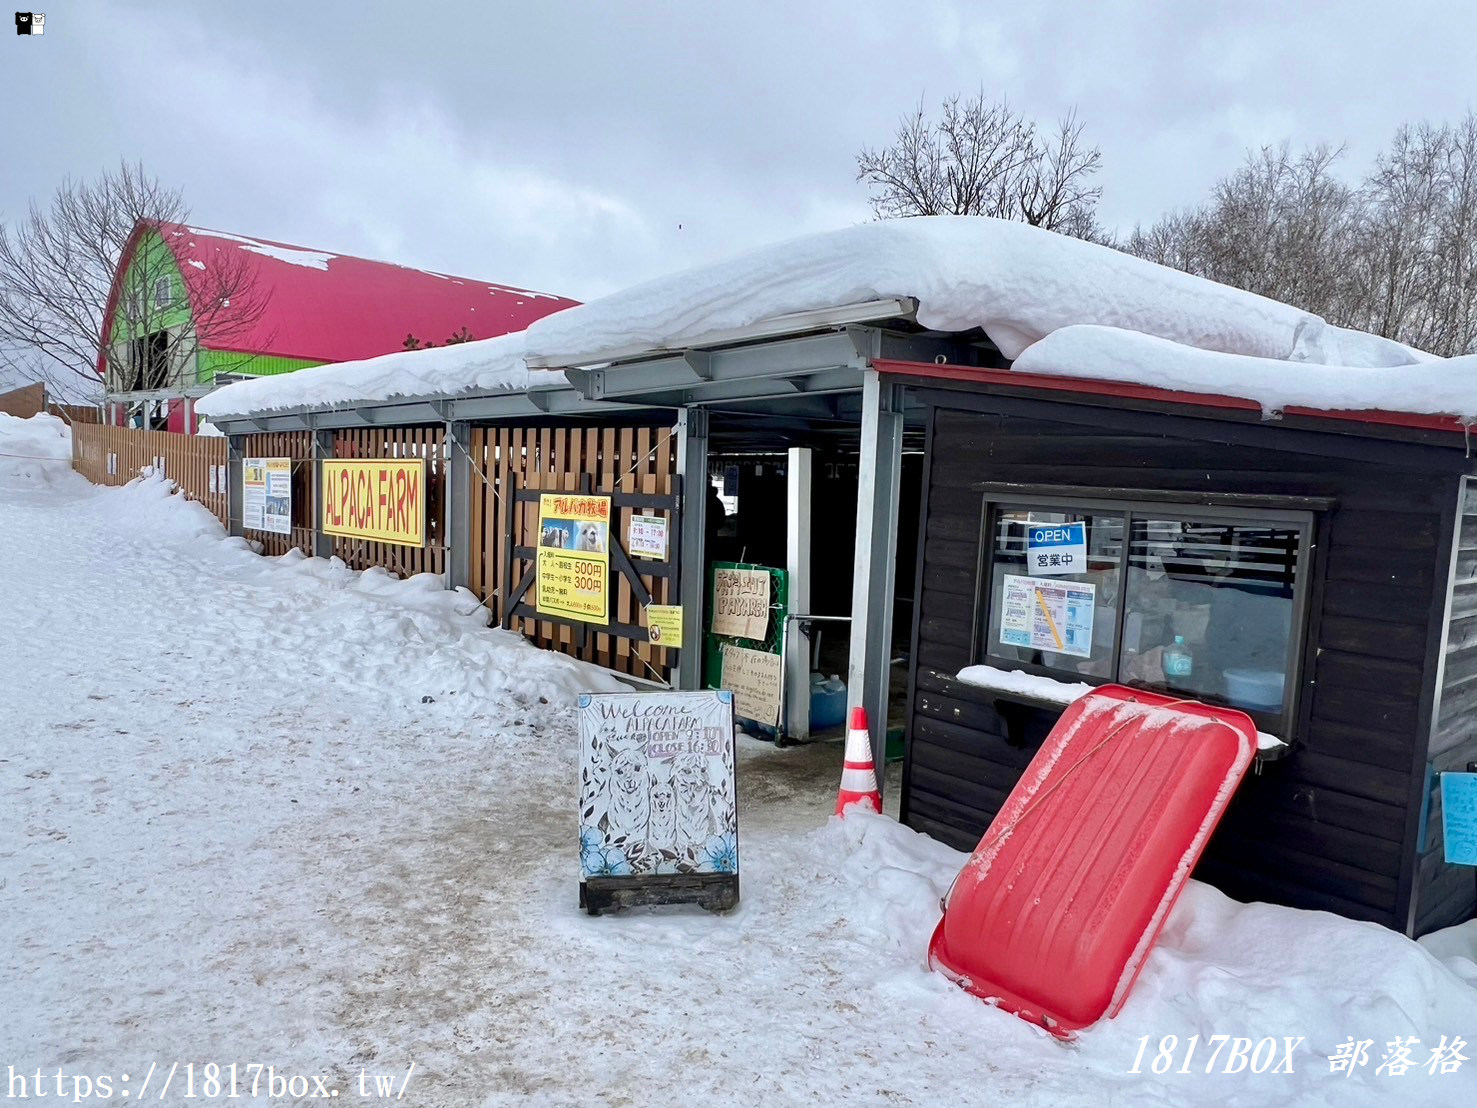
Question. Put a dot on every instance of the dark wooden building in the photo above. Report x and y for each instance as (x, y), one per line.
(1318, 571)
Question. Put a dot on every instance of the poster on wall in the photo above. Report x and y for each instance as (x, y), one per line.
(382, 499)
(266, 495)
(658, 810)
(1055, 616)
(756, 679)
(574, 557)
(741, 603)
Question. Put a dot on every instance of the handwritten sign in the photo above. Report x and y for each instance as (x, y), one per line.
(1459, 817)
(756, 679)
(741, 603)
(657, 794)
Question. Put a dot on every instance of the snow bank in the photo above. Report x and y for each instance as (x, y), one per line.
(1017, 282)
(409, 637)
(35, 453)
(1219, 968)
(486, 365)
(1433, 387)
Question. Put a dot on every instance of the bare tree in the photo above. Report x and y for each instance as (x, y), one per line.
(57, 269)
(1395, 255)
(985, 159)
(1282, 225)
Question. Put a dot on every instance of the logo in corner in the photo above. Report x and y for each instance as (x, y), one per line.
(30, 23)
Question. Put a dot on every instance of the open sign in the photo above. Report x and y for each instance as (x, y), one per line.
(1055, 549)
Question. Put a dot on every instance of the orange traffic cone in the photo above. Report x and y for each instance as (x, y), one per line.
(859, 775)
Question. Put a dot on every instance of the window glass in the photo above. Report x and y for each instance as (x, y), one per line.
(1209, 609)
(1046, 607)
(163, 292)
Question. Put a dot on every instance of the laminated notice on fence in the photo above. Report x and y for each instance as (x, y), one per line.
(741, 603)
(664, 625)
(1054, 616)
(266, 495)
(574, 557)
(646, 537)
(756, 679)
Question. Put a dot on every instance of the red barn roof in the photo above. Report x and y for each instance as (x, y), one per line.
(334, 307)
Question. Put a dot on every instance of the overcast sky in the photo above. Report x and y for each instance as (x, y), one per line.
(578, 147)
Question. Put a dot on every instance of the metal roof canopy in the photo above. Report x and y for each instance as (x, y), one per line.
(797, 376)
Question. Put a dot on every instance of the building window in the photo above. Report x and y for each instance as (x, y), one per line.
(1209, 602)
(163, 292)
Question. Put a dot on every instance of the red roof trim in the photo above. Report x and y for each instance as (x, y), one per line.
(1096, 387)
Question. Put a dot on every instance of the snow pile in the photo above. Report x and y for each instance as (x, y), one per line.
(35, 453)
(1017, 282)
(1025, 684)
(358, 628)
(1436, 386)
(1219, 968)
(486, 365)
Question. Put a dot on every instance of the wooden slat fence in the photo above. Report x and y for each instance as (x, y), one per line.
(553, 459)
(29, 400)
(400, 442)
(187, 460)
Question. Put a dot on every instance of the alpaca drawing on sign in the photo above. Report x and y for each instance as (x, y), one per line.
(694, 803)
(629, 802)
(661, 828)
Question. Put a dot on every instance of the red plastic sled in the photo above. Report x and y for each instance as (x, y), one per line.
(1055, 912)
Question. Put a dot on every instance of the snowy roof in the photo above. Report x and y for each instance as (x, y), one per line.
(1054, 305)
(333, 307)
(1017, 282)
(486, 366)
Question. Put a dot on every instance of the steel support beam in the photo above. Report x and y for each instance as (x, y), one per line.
(870, 665)
(322, 448)
(797, 562)
(459, 483)
(692, 463)
(234, 453)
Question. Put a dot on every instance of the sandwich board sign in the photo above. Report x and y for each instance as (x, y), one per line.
(658, 801)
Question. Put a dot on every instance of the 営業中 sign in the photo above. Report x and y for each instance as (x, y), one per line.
(1053, 549)
(266, 495)
(741, 603)
(383, 499)
(657, 799)
(1048, 615)
(646, 537)
(574, 557)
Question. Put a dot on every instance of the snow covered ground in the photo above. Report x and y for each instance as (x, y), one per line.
(233, 828)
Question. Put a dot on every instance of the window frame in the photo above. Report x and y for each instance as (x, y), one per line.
(1302, 513)
(167, 300)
